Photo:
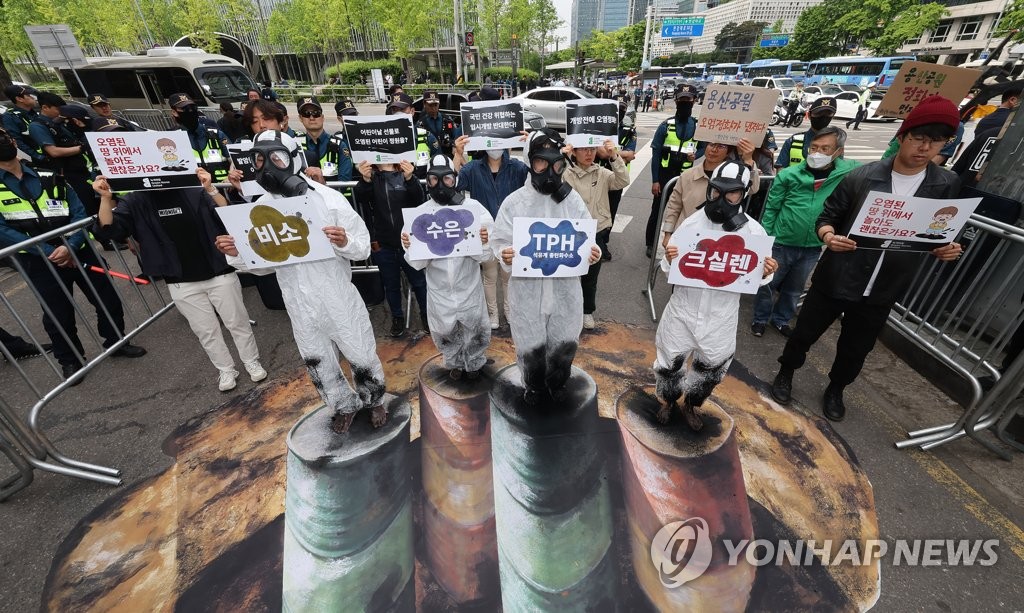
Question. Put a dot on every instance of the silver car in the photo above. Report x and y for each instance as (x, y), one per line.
(549, 102)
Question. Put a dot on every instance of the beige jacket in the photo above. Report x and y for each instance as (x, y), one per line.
(690, 191)
(593, 184)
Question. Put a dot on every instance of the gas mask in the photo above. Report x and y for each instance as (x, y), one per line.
(278, 161)
(441, 179)
(8, 148)
(495, 154)
(188, 117)
(547, 164)
(818, 160)
(728, 196)
(820, 122)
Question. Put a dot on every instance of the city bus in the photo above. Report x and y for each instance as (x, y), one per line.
(146, 81)
(793, 69)
(855, 70)
(725, 72)
(695, 71)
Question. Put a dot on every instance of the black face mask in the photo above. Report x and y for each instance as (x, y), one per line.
(8, 149)
(278, 181)
(684, 109)
(820, 122)
(188, 117)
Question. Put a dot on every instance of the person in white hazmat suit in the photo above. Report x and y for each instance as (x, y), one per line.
(456, 307)
(546, 313)
(326, 311)
(696, 336)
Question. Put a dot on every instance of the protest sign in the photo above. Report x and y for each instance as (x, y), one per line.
(550, 248)
(909, 223)
(278, 232)
(241, 159)
(917, 80)
(381, 139)
(733, 112)
(144, 160)
(591, 121)
(725, 261)
(492, 124)
(442, 232)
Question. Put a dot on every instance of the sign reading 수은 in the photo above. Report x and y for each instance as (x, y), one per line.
(144, 160)
(682, 27)
(492, 124)
(731, 113)
(442, 232)
(241, 159)
(278, 232)
(591, 121)
(719, 260)
(381, 139)
(909, 223)
(550, 248)
(917, 80)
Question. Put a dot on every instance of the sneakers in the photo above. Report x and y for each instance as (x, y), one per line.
(256, 371)
(494, 322)
(588, 322)
(784, 329)
(757, 329)
(228, 380)
(397, 327)
(782, 386)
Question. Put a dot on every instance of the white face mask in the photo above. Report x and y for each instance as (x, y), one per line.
(495, 154)
(818, 160)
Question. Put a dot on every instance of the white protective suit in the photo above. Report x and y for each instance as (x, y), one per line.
(546, 315)
(456, 307)
(328, 314)
(697, 326)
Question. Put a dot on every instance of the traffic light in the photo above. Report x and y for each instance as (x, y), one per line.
(469, 38)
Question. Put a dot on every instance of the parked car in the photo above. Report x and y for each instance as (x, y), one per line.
(813, 92)
(780, 83)
(846, 106)
(451, 104)
(549, 102)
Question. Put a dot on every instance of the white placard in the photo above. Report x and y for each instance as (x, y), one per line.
(492, 124)
(442, 232)
(549, 248)
(909, 223)
(726, 261)
(278, 232)
(380, 139)
(591, 121)
(144, 160)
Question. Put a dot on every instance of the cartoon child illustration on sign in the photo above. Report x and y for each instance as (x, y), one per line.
(939, 228)
(169, 149)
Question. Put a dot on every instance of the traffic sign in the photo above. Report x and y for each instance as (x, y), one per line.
(680, 27)
(774, 40)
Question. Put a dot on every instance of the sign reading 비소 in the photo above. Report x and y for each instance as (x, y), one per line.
(492, 124)
(909, 223)
(682, 27)
(591, 121)
(731, 113)
(442, 232)
(381, 139)
(278, 232)
(144, 160)
(917, 80)
(725, 261)
(242, 159)
(550, 248)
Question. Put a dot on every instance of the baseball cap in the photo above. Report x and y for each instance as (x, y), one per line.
(825, 104)
(13, 91)
(400, 101)
(345, 107)
(179, 101)
(685, 91)
(98, 99)
(430, 97)
(309, 101)
(74, 111)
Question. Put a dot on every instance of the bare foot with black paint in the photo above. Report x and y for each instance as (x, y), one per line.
(341, 422)
(665, 412)
(378, 415)
(693, 420)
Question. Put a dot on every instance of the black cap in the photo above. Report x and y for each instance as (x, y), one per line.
(825, 104)
(400, 101)
(74, 111)
(98, 99)
(345, 107)
(309, 101)
(180, 101)
(430, 97)
(13, 91)
(107, 124)
(489, 93)
(684, 91)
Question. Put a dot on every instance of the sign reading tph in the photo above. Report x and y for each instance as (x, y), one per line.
(679, 27)
(552, 247)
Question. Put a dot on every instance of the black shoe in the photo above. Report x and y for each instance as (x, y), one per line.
(129, 350)
(847, 125)
(426, 326)
(606, 256)
(27, 350)
(68, 370)
(757, 329)
(832, 405)
(397, 327)
(649, 252)
(782, 387)
(784, 329)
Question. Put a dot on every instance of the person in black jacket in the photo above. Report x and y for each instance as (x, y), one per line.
(862, 285)
(383, 191)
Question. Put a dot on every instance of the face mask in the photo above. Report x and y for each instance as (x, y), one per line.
(8, 150)
(549, 181)
(275, 179)
(820, 122)
(188, 117)
(818, 160)
(684, 109)
(441, 193)
(495, 154)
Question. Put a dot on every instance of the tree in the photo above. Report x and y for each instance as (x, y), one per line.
(740, 38)
(885, 25)
(1013, 19)
(816, 34)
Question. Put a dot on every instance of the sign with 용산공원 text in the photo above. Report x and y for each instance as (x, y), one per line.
(917, 80)
(682, 27)
(733, 112)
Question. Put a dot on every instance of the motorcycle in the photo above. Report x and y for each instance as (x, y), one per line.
(788, 113)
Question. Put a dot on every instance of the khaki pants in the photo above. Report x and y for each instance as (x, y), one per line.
(491, 271)
(201, 301)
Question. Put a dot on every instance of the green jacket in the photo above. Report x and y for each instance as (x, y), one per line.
(793, 206)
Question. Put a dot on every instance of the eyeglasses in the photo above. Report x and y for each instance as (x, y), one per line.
(311, 114)
(924, 141)
(716, 146)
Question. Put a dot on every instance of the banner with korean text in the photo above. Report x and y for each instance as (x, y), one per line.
(278, 232)
(732, 112)
(492, 124)
(591, 121)
(381, 139)
(549, 248)
(144, 160)
(725, 261)
(909, 223)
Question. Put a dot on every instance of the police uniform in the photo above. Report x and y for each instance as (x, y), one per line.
(126, 126)
(345, 165)
(425, 141)
(207, 141)
(442, 127)
(670, 149)
(77, 170)
(794, 150)
(16, 122)
(325, 152)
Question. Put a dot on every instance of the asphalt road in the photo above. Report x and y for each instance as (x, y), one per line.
(125, 409)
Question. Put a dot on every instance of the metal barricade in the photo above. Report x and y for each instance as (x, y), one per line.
(964, 315)
(21, 438)
(151, 119)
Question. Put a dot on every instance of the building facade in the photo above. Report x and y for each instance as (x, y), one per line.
(738, 11)
(968, 31)
(600, 15)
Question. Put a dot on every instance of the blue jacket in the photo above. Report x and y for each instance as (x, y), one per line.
(30, 188)
(16, 122)
(487, 189)
(435, 126)
(683, 131)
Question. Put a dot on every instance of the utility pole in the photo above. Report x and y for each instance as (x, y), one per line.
(645, 63)
(460, 38)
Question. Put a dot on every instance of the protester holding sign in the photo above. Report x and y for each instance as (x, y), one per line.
(696, 337)
(455, 296)
(592, 182)
(863, 284)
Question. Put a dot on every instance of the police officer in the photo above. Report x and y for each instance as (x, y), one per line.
(323, 151)
(101, 106)
(425, 141)
(442, 127)
(794, 150)
(208, 142)
(343, 108)
(65, 150)
(17, 119)
(673, 150)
